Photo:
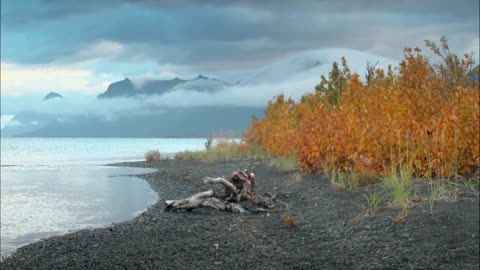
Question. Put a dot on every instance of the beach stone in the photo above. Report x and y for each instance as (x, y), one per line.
(187, 240)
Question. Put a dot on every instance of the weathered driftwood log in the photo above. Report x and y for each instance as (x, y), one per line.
(193, 202)
(239, 189)
(229, 187)
(245, 182)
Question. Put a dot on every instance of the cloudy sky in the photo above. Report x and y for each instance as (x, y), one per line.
(84, 45)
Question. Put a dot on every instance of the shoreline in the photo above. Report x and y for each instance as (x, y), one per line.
(37, 221)
(329, 235)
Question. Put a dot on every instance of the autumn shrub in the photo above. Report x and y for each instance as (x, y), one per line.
(423, 116)
(275, 132)
(152, 156)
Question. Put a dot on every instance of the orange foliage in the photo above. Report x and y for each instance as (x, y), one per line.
(275, 131)
(416, 117)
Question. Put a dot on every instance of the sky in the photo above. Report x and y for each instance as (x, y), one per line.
(82, 46)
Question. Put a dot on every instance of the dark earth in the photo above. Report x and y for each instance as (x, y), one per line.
(332, 233)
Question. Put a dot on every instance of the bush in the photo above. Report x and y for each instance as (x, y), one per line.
(425, 117)
(152, 156)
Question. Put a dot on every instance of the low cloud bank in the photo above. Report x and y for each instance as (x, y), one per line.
(294, 76)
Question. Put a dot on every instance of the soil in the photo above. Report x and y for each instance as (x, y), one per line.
(332, 233)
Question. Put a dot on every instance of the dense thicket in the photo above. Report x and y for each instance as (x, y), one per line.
(421, 115)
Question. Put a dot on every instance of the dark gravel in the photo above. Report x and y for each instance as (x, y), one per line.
(331, 233)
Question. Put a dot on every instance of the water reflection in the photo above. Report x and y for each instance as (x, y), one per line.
(39, 202)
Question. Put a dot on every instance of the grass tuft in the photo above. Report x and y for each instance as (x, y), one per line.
(337, 179)
(371, 203)
(471, 185)
(399, 185)
(296, 178)
(442, 192)
(433, 196)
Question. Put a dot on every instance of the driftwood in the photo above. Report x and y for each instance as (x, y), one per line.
(239, 196)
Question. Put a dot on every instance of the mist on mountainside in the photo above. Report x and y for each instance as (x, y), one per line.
(174, 107)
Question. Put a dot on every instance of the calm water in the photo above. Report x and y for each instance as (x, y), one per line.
(54, 185)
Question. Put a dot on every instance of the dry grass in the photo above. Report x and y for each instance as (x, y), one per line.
(152, 156)
(359, 179)
(289, 220)
(296, 179)
(231, 149)
(223, 149)
(288, 163)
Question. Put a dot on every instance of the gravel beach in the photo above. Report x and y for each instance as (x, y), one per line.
(331, 233)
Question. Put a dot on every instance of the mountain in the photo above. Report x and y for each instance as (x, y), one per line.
(52, 95)
(126, 88)
(6, 119)
(122, 88)
(159, 86)
(26, 122)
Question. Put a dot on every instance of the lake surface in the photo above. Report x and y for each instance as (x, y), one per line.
(52, 186)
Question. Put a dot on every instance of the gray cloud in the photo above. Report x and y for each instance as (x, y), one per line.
(217, 35)
(460, 8)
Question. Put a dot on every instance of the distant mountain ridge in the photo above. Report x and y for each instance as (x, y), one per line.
(52, 95)
(126, 88)
(120, 88)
